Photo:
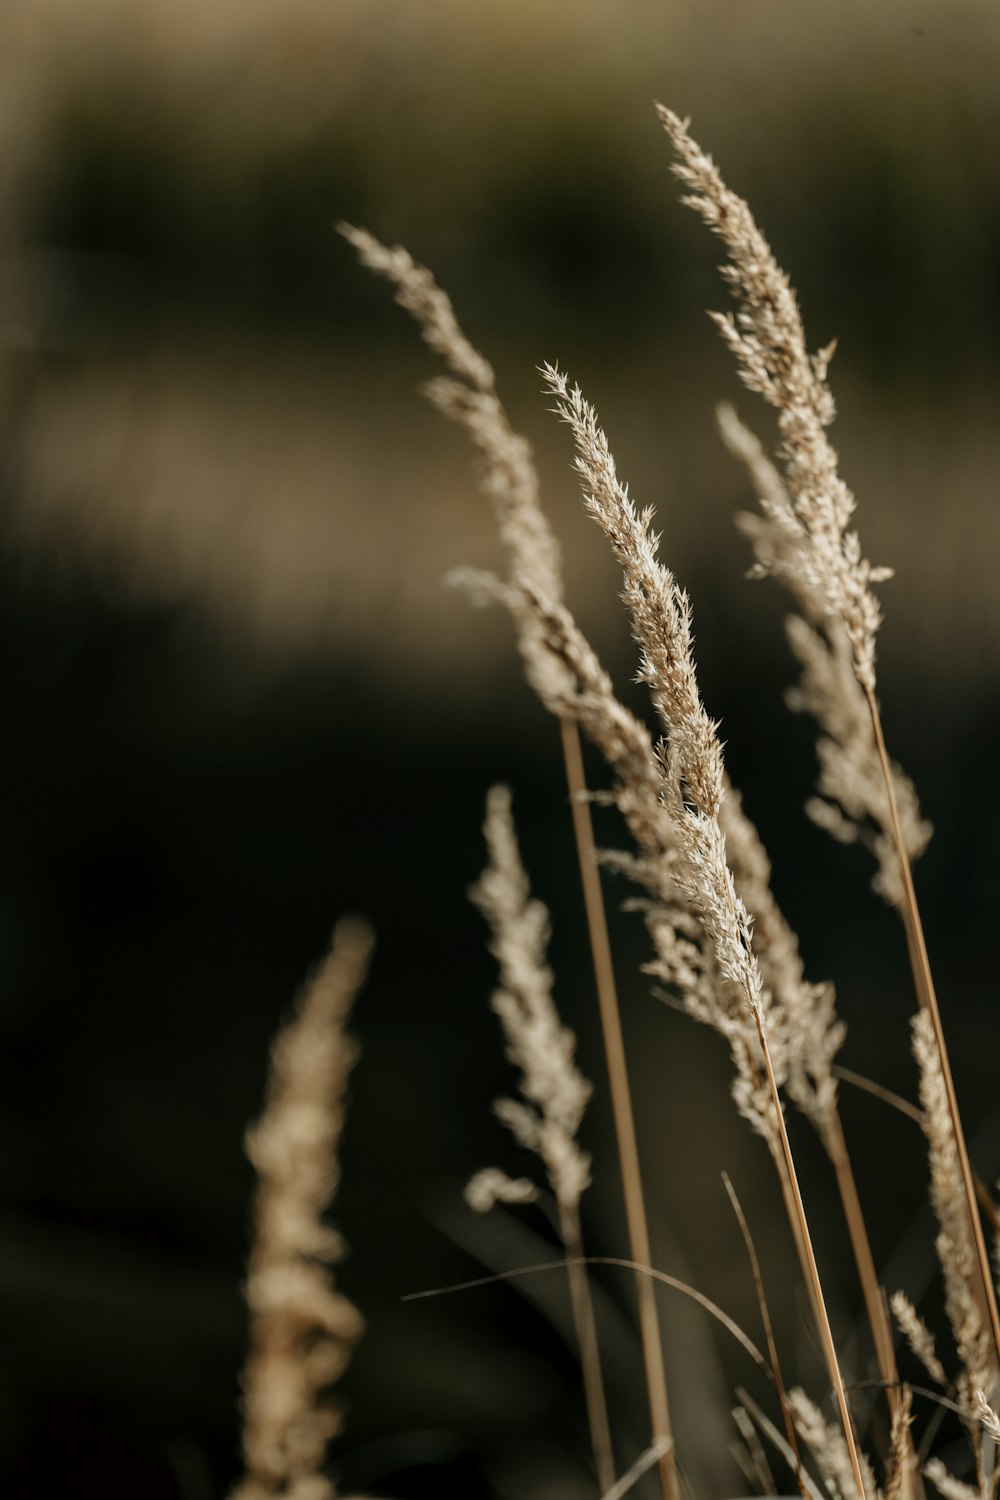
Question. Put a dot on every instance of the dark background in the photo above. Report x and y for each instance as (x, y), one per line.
(238, 701)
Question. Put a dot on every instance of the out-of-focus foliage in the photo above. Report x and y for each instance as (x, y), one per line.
(201, 359)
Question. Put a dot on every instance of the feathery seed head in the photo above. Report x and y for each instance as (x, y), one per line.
(768, 342)
(554, 1093)
(302, 1330)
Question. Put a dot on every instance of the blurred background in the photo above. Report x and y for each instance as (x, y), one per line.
(239, 701)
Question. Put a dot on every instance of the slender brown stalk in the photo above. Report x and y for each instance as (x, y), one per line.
(772, 1347)
(631, 1477)
(535, 595)
(621, 1102)
(878, 1319)
(553, 1093)
(586, 1337)
(875, 1302)
(803, 538)
(771, 1432)
(927, 995)
(874, 1297)
(986, 1203)
(829, 1348)
(878, 1091)
(692, 785)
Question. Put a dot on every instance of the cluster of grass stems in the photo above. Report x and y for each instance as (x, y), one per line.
(720, 945)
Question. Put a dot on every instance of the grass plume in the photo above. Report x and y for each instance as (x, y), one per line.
(565, 673)
(720, 941)
(554, 1093)
(302, 1330)
(690, 762)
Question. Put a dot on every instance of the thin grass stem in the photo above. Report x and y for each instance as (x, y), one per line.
(924, 981)
(771, 1432)
(621, 1103)
(826, 1333)
(772, 1348)
(590, 1359)
(875, 1305)
(878, 1320)
(648, 1273)
(631, 1477)
(878, 1091)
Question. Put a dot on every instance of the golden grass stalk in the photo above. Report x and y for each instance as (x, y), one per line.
(621, 1097)
(554, 1093)
(808, 544)
(302, 1330)
(692, 785)
(634, 1473)
(568, 679)
(853, 801)
(508, 473)
(981, 1276)
(571, 683)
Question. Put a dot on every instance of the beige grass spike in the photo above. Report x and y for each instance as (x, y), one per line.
(554, 1094)
(692, 778)
(768, 342)
(565, 673)
(302, 1330)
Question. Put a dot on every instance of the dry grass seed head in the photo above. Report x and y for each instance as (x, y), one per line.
(767, 339)
(955, 1247)
(919, 1337)
(950, 1487)
(897, 1467)
(853, 805)
(570, 681)
(554, 1093)
(302, 1330)
(508, 475)
(690, 755)
(826, 1443)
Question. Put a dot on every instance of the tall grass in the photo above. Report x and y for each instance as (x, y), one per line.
(719, 941)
